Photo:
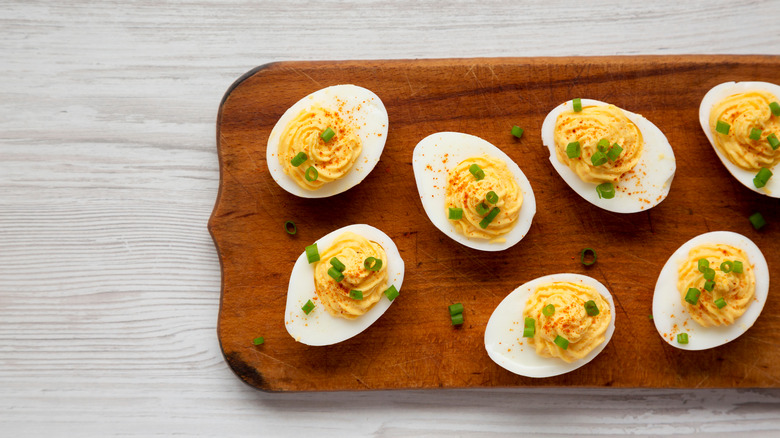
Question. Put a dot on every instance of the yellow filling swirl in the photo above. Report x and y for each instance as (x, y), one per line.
(743, 112)
(465, 192)
(352, 250)
(588, 127)
(570, 320)
(332, 159)
(736, 289)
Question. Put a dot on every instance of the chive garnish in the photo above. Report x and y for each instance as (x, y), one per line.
(726, 267)
(259, 341)
(456, 213)
(720, 303)
(682, 338)
(530, 327)
(455, 309)
(482, 209)
(775, 108)
(308, 307)
(755, 134)
(290, 227)
(577, 105)
(709, 285)
(391, 292)
(762, 177)
(573, 149)
(335, 274)
(722, 127)
(774, 143)
(614, 152)
(311, 174)
(372, 264)
(477, 171)
(561, 342)
(605, 190)
(356, 294)
(709, 274)
(602, 145)
(457, 319)
(737, 267)
(598, 158)
(517, 131)
(692, 297)
(299, 159)
(591, 308)
(312, 255)
(489, 218)
(703, 265)
(491, 197)
(548, 310)
(337, 264)
(327, 134)
(757, 219)
(585, 256)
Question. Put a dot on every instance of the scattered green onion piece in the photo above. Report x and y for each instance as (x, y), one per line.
(775, 107)
(773, 141)
(482, 209)
(720, 303)
(290, 227)
(605, 190)
(692, 297)
(722, 127)
(591, 308)
(491, 197)
(327, 134)
(704, 264)
(308, 307)
(737, 267)
(391, 292)
(577, 104)
(311, 174)
(614, 152)
(529, 322)
(584, 255)
(726, 267)
(709, 285)
(709, 274)
(477, 171)
(561, 342)
(548, 310)
(335, 274)
(757, 219)
(517, 131)
(529, 332)
(356, 294)
(312, 255)
(682, 338)
(259, 341)
(457, 319)
(602, 145)
(598, 158)
(456, 213)
(755, 134)
(337, 264)
(762, 177)
(455, 309)
(650, 317)
(573, 149)
(372, 264)
(489, 218)
(299, 159)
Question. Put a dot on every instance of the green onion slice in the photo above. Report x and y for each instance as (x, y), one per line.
(529, 332)
(356, 294)
(773, 141)
(720, 303)
(605, 190)
(755, 134)
(591, 308)
(456, 213)
(561, 342)
(737, 267)
(290, 227)
(299, 159)
(585, 256)
(602, 145)
(312, 255)
(722, 127)
(614, 152)
(703, 265)
(517, 131)
(709, 274)
(775, 107)
(726, 266)
(529, 322)
(259, 341)
(308, 307)
(482, 209)
(372, 264)
(311, 174)
(391, 292)
(573, 149)
(682, 338)
(327, 134)
(489, 218)
(757, 219)
(477, 171)
(457, 319)
(335, 274)
(455, 309)
(709, 285)
(548, 310)
(491, 197)
(762, 177)
(692, 296)
(598, 158)
(577, 104)
(337, 264)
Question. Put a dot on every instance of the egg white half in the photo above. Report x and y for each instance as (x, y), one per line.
(655, 168)
(319, 327)
(435, 155)
(508, 348)
(715, 95)
(372, 122)
(668, 310)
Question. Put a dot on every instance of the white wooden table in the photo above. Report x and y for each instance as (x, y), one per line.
(109, 282)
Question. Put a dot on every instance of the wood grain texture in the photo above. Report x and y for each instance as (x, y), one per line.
(413, 345)
(109, 281)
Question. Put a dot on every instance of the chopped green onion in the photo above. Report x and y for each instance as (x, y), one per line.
(709, 285)
(456, 213)
(290, 227)
(529, 322)
(598, 158)
(477, 171)
(455, 309)
(591, 308)
(482, 209)
(682, 338)
(755, 134)
(573, 149)
(530, 328)
(602, 145)
(692, 296)
(650, 317)
(605, 190)
(548, 310)
(517, 131)
(720, 303)
(356, 294)
(722, 127)
(259, 341)
(775, 107)
(335, 274)
(327, 134)
(337, 264)
(703, 265)
(561, 342)
(726, 267)
(577, 104)
(584, 255)
(308, 307)
(614, 152)
(737, 267)
(757, 219)
(372, 264)
(489, 218)
(311, 174)
(491, 197)
(312, 255)
(709, 274)
(391, 292)
(299, 159)
(773, 141)
(762, 177)
(457, 319)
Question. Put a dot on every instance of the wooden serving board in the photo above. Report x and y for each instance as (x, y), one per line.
(413, 345)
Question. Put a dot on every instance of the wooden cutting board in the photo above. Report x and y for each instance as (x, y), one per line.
(413, 345)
